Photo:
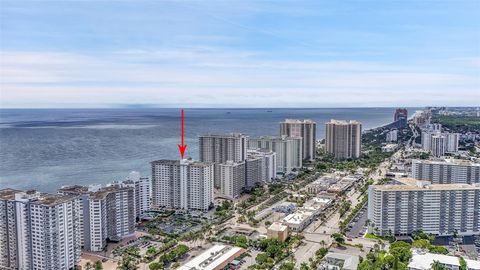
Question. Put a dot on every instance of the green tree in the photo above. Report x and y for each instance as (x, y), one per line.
(401, 250)
(463, 264)
(338, 238)
(155, 266)
(127, 263)
(287, 266)
(438, 250)
(304, 266)
(98, 265)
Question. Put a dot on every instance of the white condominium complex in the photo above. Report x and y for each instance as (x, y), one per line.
(343, 139)
(288, 150)
(107, 213)
(269, 161)
(219, 148)
(182, 184)
(413, 205)
(438, 143)
(232, 176)
(142, 188)
(259, 167)
(39, 231)
(446, 171)
(306, 129)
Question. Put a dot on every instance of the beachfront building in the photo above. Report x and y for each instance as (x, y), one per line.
(220, 148)
(305, 129)
(343, 139)
(232, 175)
(142, 192)
(106, 213)
(182, 184)
(288, 151)
(39, 231)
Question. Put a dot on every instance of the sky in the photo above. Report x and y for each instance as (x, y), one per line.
(330, 53)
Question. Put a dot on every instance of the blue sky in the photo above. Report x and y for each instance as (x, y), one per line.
(239, 53)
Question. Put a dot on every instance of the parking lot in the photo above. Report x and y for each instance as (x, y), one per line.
(357, 226)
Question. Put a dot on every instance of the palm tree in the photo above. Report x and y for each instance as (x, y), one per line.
(127, 263)
(323, 243)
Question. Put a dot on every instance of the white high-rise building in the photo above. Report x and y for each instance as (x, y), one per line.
(343, 138)
(232, 175)
(254, 171)
(39, 231)
(269, 161)
(288, 151)
(182, 184)
(438, 146)
(142, 187)
(446, 171)
(107, 213)
(414, 205)
(305, 129)
(392, 136)
(220, 148)
(452, 142)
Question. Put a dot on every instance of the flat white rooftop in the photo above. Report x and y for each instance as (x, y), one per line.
(424, 260)
(277, 226)
(473, 265)
(297, 217)
(213, 258)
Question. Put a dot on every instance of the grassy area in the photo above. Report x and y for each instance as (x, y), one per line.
(372, 236)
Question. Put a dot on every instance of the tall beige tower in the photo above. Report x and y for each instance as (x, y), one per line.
(343, 139)
(305, 129)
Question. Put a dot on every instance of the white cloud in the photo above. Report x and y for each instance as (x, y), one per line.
(209, 77)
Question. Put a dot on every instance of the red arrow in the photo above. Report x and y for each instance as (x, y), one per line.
(183, 146)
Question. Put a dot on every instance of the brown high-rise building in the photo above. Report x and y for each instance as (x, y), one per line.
(400, 113)
(343, 138)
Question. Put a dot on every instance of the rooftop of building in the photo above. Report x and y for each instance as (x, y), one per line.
(104, 191)
(213, 258)
(226, 135)
(277, 226)
(411, 184)
(423, 260)
(298, 121)
(52, 199)
(280, 138)
(74, 189)
(260, 151)
(34, 197)
(8, 193)
(447, 161)
(96, 192)
(298, 217)
(177, 162)
(350, 262)
(343, 122)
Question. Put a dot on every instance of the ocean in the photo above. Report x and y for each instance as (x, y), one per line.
(44, 149)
